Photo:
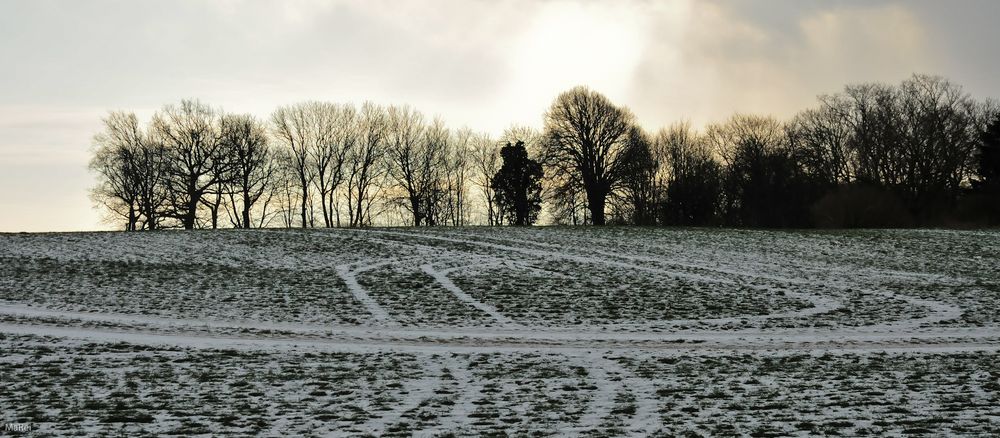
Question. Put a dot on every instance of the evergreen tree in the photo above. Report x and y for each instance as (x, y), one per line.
(518, 185)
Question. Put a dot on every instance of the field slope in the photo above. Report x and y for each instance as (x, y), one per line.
(469, 331)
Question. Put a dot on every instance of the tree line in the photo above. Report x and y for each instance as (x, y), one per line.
(919, 153)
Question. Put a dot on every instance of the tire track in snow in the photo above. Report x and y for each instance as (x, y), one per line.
(611, 380)
(446, 282)
(349, 275)
(989, 341)
(647, 408)
(581, 338)
(902, 334)
(550, 254)
(819, 304)
(603, 399)
(417, 392)
(469, 390)
(940, 311)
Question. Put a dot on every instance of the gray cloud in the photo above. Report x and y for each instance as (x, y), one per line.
(723, 60)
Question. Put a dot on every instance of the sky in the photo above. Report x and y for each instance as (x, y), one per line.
(481, 64)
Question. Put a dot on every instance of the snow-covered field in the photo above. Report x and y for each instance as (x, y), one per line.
(534, 331)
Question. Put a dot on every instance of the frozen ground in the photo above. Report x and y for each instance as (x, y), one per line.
(534, 331)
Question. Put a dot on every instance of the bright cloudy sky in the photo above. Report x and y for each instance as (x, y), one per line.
(481, 64)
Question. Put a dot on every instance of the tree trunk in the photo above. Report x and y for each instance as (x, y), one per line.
(327, 214)
(246, 210)
(595, 201)
(189, 215)
(334, 211)
(415, 206)
(132, 219)
(359, 212)
(215, 210)
(305, 196)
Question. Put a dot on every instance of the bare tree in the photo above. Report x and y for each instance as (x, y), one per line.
(253, 172)
(533, 140)
(764, 184)
(332, 132)
(291, 127)
(642, 187)
(693, 177)
(196, 161)
(323, 151)
(820, 138)
(430, 177)
(117, 163)
(567, 199)
(588, 135)
(914, 140)
(486, 162)
(726, 139)
(213, 200)
(456, 175)
(941, 132)
(285, 184)
(405, 158)
(364, 164)
(153, 194)
(416, 155)
(345, 138)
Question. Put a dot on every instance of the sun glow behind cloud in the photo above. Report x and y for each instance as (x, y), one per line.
(568, 44)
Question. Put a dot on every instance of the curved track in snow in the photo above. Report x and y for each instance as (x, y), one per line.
(383, 332)
(592, 348)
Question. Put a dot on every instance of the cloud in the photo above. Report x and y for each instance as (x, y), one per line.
(718, 62)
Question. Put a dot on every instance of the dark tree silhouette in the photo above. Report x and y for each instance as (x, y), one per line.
(941, 131)
(988, 161)
(914, 140)
(763, 185)
(985, 199)
(694, 181)
(922, 152)
(118, 163)
(458, 170)
(254, 168)
(338, 127)
(692, 197)
(588, 135)
(293, 129)
(405, 142)
(821, 139)
(641, 186)
(415, 157)
(486, 162)
(196, 160)
(518, 185)
(365, 163)
(151, 180)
